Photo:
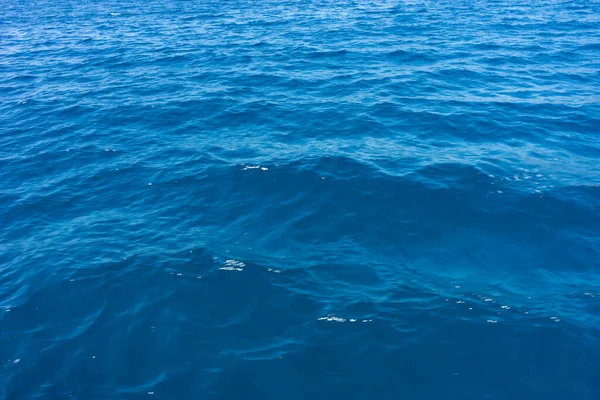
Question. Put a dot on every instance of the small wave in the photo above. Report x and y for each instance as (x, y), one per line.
(328, 53)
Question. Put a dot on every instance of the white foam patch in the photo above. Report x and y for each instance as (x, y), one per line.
(232, 265)
(248, 167)
(334, 318)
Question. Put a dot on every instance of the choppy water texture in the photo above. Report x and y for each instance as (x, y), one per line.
(300, 200)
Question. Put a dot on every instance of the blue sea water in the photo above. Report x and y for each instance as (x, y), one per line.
(300, 199)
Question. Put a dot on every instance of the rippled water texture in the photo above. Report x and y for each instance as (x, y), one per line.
(300, 199)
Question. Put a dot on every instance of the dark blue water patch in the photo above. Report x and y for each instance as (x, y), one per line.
(299, 199)
(410, 57)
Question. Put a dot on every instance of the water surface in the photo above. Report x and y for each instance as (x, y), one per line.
(300, 199)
